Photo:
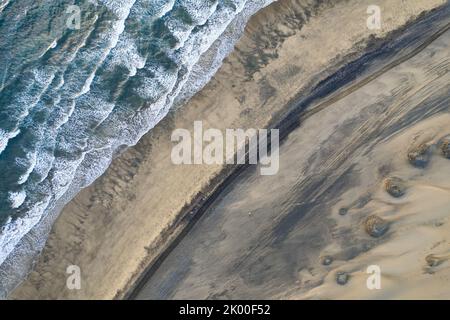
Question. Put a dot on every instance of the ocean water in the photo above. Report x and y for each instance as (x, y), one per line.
(73, 92)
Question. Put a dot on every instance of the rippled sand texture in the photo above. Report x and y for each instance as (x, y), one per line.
(365, 181)
(116, 227)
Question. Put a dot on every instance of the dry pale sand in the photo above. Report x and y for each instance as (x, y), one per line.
(115, 228)
(414, 257)
(327, 212)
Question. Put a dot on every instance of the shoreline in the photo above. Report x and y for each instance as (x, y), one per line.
(296, 112)
(178, 219)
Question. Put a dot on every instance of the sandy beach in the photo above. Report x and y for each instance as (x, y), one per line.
(116, 229)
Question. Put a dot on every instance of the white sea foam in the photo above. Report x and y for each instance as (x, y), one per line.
(17, 198)
(127, 56)
(120, 7)
(5, 137)
(29, 163)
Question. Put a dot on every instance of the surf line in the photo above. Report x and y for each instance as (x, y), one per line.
(212, 146)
